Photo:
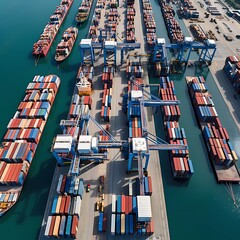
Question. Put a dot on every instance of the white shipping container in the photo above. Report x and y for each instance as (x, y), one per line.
(77, 208)
(182, 165)
(15, 197)
(106, 101)
(130, 190)
(173, 133)
(48, 225)
(16, 151)
(113, 223)
(59, 183)
(114, 199)
(144, 208)
(215, 112)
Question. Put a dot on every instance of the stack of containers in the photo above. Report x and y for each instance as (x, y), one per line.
(135, 126)
(70, 185)
(168, 92)
(107, 78)
(87, 71)
(62, 226)
(149, 22)
(66, 208)
(202, 100)
(134, 69)
(215, 135)
(232, 70)
(104, 137)
(181, 164)
(130, 29)
(23, 135)
(112, 20)
(220, 148)
(174, 31)
(123, 218)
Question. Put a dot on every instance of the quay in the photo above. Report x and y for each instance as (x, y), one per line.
(114, 170)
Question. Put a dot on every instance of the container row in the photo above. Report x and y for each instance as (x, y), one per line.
(62, 226)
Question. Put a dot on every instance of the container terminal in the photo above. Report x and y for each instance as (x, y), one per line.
(109, 132)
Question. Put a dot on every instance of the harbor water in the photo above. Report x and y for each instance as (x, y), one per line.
(198, 209)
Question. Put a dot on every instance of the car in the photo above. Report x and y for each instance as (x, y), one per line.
(88, 188)
(238, 36)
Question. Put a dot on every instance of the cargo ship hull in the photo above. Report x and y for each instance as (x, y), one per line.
(23, 134)
(84, 11)
(65, 47)
(42, 46)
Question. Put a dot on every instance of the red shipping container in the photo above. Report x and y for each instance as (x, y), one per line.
(9, 171)
(127, 205)
(186, 164)
(62, 206)
(67, 205)
(150, 185)
(226, 133)
(63, 184)
(123, 202)
(50, 233)
(15, 171)
(74, 228)
(2, 168)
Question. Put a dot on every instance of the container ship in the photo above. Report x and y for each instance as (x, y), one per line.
(65, 46)
(174, 30)
(182, 166)
(23, 134)
(42, 46)
(149, 22)
(232, 70)
(84, 11)
(221, 152)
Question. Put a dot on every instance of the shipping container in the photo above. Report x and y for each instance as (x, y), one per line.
(114, 203)
(68, 226)
(56, 226)
(118, 224)
(100, 222)
(113, 223)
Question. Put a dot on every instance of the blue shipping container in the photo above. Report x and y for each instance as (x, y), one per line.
(118, 224)
(100, 222)
(54, 205)
(134, 204)
(68, 226)
(119, 203)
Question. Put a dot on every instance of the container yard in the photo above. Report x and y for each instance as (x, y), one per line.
(108, 181)
(23, 134)
(90, 144)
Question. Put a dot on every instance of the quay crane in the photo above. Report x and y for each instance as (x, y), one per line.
(206, 51)
(148, 142)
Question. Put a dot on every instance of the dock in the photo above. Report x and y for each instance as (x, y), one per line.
(114, 170)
